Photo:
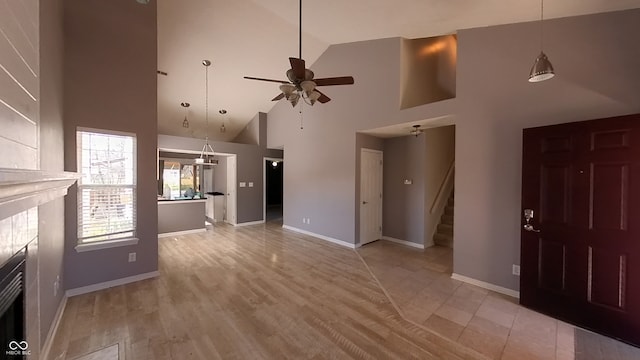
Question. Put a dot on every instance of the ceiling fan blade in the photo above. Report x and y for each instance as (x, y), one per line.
(342, 80)
(298, 67)
(270, 80)
(323, 98)
(280, 96)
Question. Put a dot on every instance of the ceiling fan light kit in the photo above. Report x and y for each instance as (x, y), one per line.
(416, 130)
(301, 83)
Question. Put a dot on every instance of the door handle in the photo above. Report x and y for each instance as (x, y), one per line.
(529, 227)
(364, 203)
(528, 215)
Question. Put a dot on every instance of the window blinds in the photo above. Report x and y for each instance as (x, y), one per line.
(107, 187)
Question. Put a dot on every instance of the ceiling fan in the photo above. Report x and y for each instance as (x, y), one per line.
(301, 84)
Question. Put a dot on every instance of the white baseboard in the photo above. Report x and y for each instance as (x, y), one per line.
(180, 233)
(486, 285)
(108, 284)
(53, 330)
(322, 237)
(249, 223)
(403, 242)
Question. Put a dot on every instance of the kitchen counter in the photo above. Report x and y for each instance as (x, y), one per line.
(180, 216)
(180, 200)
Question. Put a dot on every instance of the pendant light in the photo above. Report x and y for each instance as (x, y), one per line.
(542, 69)
(185, 122)
(223, 129)
(207, 151)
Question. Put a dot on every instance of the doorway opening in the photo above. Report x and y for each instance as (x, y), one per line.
(273, 176)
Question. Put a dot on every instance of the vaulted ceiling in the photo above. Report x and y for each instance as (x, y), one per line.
(256, 38)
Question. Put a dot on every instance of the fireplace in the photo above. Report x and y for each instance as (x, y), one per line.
(13, 343)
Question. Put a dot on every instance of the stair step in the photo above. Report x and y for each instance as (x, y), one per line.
(448, 210)
(445, 229)
(443, 240)
(450, 202)
(446, 219)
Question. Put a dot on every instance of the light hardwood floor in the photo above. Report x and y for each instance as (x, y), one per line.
(258, 292)
(261, 292)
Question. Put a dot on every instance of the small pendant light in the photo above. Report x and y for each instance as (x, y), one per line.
(185, 122)
(542, 69)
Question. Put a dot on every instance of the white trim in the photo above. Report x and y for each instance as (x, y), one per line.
(249, 223)
(165, 202)
(379, 153)
(403, 242)
(322, 237)
(46, 348)
(180, 233)
(112, 283)
(107, 244)
(486, 285)
(104, 132)
(24, 189)
(372, 151)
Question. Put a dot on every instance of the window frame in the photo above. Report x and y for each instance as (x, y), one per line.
(83, 246)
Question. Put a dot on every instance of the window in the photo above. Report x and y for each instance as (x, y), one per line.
(107, 186)
(180, 180)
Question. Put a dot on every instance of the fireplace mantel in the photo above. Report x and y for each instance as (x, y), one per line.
(24, 189)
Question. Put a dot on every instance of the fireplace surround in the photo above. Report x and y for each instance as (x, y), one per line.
(21, 192)
(12, 307)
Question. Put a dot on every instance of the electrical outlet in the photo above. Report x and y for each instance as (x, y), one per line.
(132, 257)
(515, 270)
(308, 220)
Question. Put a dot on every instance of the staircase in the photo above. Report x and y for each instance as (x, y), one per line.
(444, 234)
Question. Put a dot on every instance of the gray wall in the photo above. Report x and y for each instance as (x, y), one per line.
(180, 216)
(404, 205)
(363, 141)
(320, 176)
(596, 59)
(249, 169)
(51, 215)
(110, 83)
(250, 135)
(425, 160)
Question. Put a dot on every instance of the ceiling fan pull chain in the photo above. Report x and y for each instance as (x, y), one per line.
(301, 118)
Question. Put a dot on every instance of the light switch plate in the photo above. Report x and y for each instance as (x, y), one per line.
(515, 270)
(243, 184)
(250, 184)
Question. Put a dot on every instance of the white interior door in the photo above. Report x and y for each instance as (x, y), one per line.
(370, 195)
(230, 213)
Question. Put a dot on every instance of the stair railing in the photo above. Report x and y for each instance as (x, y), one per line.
(445, 189)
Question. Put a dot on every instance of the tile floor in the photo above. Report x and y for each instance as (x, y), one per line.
(420, 284)
(109, 353)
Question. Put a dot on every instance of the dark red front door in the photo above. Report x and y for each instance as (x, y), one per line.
(582, 181)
